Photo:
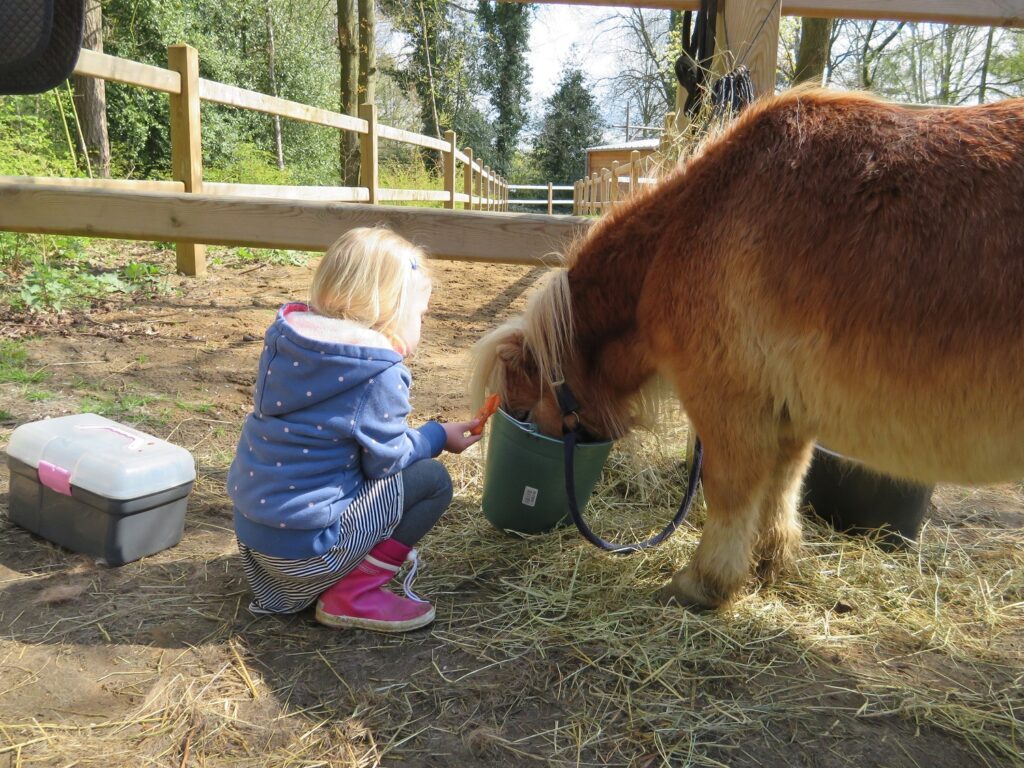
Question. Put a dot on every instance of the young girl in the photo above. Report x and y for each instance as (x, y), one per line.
(331, 487)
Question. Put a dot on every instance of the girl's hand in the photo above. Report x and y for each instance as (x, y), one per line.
(457, 435)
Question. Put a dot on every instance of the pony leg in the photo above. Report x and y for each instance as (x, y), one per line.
(736, 477)
(778, 541)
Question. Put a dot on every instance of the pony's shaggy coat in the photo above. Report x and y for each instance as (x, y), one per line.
(830, 268)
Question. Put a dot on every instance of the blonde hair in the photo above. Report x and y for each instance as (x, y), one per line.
(367, 275)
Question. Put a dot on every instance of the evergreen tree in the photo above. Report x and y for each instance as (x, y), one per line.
(506, 76)
(571, 123)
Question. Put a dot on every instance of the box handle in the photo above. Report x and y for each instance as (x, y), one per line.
(55, 478)
(137, 442)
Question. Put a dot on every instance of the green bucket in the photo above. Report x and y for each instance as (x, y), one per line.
(524, 477)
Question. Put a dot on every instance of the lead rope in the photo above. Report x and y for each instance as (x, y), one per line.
(570, 406)
(410, 576)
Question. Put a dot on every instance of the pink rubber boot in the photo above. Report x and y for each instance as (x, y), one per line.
(360, 601)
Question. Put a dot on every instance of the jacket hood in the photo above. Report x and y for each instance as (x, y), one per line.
(309, 359)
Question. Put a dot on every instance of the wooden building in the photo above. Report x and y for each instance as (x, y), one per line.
(606, 155)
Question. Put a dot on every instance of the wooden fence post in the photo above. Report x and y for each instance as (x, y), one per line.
(595, 183)
(187, 145)
(550, 199)
(606, 190)
(448, 159)
(369, 169)
(467, 178)
(480, 186)
(488, 188)
(634, 170)
(613, 192)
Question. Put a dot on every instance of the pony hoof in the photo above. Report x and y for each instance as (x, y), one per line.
(686, 592)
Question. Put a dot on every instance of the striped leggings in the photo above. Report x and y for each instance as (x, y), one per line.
(404, 506)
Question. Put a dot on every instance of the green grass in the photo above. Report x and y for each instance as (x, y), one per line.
(195, 407)
(15, 367)
(38, 395)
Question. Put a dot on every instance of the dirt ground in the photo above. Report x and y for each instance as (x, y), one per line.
(87, 651)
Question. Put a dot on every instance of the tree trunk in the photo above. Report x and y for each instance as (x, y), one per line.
(985, 65)
(91, 98)
(430, 72)
(367, 52)
(272, 66)
(348, 58)
(812, 57)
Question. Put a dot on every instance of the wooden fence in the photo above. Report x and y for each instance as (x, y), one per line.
(598, 193)
(550, 201)
(480, 188)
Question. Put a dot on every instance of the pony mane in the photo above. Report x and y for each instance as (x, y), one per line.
(547, 334)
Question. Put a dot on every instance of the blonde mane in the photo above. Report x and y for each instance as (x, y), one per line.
(546, 329)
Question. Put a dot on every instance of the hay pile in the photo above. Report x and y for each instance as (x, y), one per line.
(546, 651)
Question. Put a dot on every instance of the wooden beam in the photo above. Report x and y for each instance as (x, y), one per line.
(752, 38)
(414, 195)
(232, 96)
(513, 238)
(999, 13)
(283, 192)
(408, 137)
(138, 185)
(115, 70)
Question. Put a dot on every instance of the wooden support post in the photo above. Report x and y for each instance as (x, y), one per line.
(467, 178)
(752, 38)
(448, 158)
(575, 197)
(595, 183)
(634, 170)
(369, 167)
(551, 204)
(187, 145)
(480, 186)
(606, 190)
(613, 196)
(488, 185)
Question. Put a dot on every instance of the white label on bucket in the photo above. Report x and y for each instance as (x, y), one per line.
(529, 496)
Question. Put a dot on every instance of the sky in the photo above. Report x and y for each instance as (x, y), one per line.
(558, 33)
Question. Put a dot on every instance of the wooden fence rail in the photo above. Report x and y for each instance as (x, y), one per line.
(514, 238)
(482, 189)
(600, 192)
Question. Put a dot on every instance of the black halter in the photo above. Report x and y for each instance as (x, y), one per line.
(572, 433)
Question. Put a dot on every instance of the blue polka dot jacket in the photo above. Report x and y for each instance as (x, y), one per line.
(327, 415)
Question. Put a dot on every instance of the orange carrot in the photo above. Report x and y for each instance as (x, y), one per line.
(489, 407)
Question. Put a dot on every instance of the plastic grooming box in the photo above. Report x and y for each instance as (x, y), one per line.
(99, 487)
(524, 477)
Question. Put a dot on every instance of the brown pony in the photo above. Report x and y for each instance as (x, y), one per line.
(830, 268)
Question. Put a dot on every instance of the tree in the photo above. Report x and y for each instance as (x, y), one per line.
(91, 99)
(441, 61)
(367, 52)
(571, 123)
(645, 82)
(506, 28)
(812, 56)
(348, 81)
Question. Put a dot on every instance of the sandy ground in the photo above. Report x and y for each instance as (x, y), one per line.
(81, 643)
